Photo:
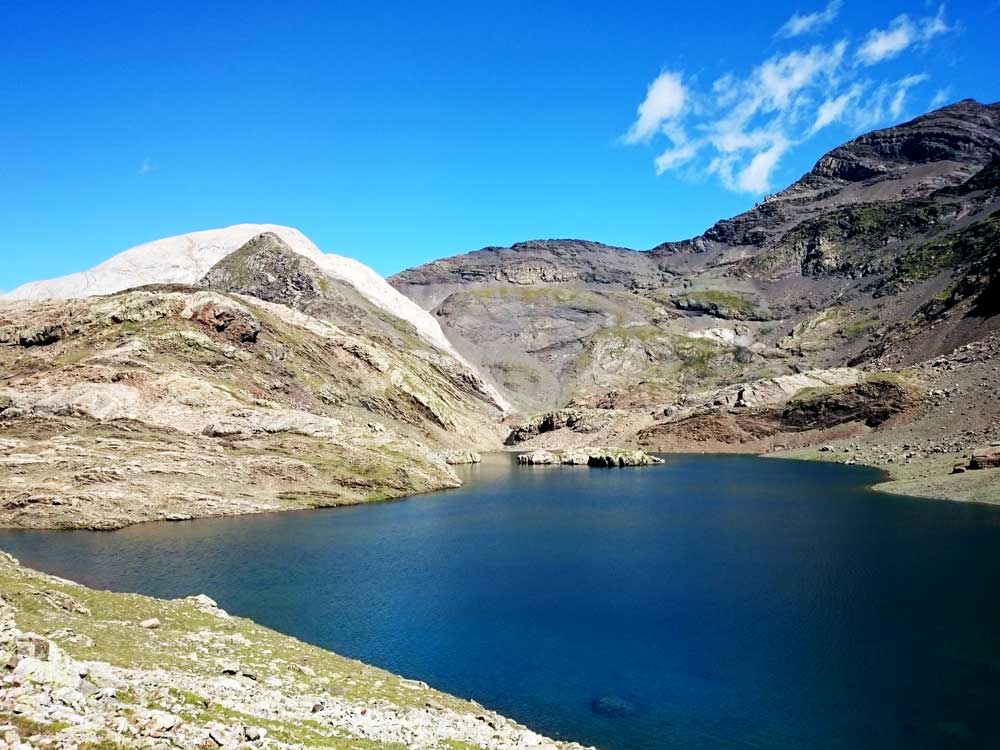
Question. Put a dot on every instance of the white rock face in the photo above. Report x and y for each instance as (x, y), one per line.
(184, 259)
(774, 391)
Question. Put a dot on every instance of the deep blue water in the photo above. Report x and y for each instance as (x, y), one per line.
(734, 602)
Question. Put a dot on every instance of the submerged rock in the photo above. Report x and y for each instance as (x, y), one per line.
(613, 706)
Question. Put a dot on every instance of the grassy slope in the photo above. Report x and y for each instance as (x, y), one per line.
(190, 640)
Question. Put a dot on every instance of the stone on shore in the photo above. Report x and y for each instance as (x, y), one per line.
(985, 458)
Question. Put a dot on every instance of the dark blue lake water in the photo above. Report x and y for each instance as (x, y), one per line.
(724, 602)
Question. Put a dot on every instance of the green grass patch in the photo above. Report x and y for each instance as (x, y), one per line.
(698, 356)
(726, 303)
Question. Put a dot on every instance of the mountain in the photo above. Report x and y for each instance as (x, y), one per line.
(851, 316)
(884, 256)
(186, 258)
(262, 381)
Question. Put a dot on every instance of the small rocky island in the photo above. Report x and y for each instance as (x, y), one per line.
(608, 457)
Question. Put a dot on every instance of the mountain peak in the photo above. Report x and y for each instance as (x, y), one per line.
(965, 132)
(267, 268)
(186, 258)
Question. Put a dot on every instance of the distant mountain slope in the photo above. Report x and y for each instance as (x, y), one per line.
(848, 265)
(186, 258)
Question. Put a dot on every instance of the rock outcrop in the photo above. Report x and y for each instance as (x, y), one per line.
(598, 457)
(268, 269)
(985, 458)
(459, 457)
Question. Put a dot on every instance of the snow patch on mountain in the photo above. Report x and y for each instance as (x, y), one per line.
(184, 259)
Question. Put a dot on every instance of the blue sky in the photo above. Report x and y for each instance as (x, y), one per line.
(399, 133)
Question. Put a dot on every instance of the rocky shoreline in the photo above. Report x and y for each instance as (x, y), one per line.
(93, 669)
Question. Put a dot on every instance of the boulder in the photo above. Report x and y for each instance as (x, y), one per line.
(985, 458)
(47, 664)
(575, 457)
(611, 457)
(228, 667)
(456, 457)
(208, 605)
(40, 335)
(224, 316)
(254, 734)
(537, 458)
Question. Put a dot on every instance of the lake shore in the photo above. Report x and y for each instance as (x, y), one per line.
(916, 473)
(373, 583)
(100, 669)
(927, 477)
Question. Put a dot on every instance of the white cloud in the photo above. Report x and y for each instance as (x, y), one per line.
(756, 176)
(665, 100)
(781, 77)
(902, 89)
(883, 103)
(883, 44)
(941, 97)
(146, 167)
(932, 26)
(800, 24)
(902, 33)
(741, 127)
(681, 151)
(675, 157)
(833, 109)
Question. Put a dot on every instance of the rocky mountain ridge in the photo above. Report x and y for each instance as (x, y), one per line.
(866, 236)
(884, 256)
